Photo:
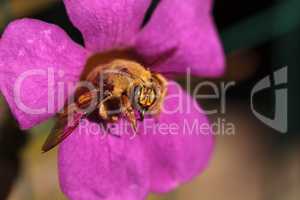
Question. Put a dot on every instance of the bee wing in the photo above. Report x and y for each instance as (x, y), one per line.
(64, 126)
(69, 119)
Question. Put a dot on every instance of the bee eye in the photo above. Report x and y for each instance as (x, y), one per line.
(137, 91)
(136, 96)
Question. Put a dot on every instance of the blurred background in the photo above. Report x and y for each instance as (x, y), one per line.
(255, 163)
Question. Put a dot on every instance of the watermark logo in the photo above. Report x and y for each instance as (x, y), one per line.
(280, 120)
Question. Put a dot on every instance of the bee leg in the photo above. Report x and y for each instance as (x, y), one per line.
(142, 115)
(129, 112)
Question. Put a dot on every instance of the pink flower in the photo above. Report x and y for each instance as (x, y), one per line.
(117, 168)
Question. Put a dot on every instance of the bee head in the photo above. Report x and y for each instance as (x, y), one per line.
(144, 96)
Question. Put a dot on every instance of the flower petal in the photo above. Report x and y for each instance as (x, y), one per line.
(107, 24)
(168, 151)
(181, 35)
(179, 144)
(36, 60)
(95, 166)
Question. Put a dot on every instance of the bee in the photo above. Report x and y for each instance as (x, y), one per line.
(122, 88)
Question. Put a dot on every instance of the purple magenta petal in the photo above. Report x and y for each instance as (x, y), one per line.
(94, 166)
(179, 144)
(107, 24)
(182, 35)
(37, 60)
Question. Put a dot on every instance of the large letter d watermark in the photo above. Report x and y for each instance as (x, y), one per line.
(280, 121)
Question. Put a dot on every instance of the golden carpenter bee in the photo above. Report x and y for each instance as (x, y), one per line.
(121, 88)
